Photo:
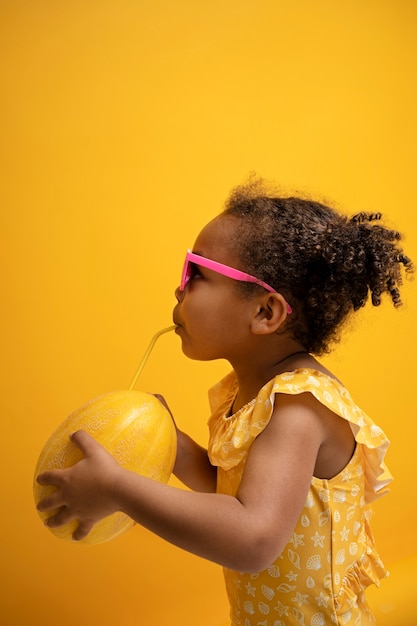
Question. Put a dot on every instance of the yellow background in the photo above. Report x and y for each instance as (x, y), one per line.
(123, 126)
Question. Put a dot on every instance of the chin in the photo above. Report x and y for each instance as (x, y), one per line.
(195, 354)
(192, 351)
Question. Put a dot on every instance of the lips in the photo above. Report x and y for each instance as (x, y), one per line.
(177, 324)
(175, 318)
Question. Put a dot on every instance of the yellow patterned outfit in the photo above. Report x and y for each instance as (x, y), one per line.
(330, 559)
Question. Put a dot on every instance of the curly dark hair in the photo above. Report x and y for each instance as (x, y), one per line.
(324, 263)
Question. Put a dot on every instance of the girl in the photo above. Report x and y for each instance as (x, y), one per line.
(281, 498)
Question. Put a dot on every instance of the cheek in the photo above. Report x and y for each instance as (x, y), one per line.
(195, 303)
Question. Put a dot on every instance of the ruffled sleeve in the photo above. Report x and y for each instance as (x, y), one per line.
(231, 437)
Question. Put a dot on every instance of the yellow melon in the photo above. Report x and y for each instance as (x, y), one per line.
(134, 427)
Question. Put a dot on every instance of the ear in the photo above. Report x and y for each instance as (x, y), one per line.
(270, 314)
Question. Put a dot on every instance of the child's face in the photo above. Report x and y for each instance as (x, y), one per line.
(212, 316)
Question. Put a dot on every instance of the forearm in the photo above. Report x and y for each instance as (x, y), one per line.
(213, 526)
(192, 465)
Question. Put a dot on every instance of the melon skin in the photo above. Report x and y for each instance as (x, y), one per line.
(134, 427)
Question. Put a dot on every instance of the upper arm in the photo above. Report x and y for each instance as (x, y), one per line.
(280, 466)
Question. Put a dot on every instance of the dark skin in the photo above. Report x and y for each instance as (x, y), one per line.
(249, 531)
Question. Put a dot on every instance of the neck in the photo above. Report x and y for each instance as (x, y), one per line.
(254, 373)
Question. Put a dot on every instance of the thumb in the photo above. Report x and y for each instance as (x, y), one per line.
(84, 442)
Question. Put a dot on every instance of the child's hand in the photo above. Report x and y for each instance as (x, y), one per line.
(164, 403)
(85, 491)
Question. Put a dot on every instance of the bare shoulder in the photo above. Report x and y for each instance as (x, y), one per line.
(305, 417)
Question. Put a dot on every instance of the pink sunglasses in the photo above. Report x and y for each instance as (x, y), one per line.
(195, 259)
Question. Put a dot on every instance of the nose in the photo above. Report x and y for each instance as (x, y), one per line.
(179, 294)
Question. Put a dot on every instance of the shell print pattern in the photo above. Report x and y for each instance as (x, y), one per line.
(330, 559)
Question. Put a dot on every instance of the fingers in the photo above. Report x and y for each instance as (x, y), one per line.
(52, 477)
(84, 442)
(53, 501)
(64, 517)
(82, 531)
(59, 519)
